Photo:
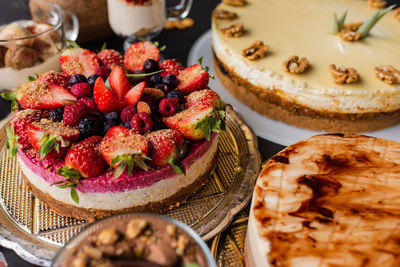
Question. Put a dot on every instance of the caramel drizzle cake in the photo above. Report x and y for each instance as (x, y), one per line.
(331, 200)
(323, 65)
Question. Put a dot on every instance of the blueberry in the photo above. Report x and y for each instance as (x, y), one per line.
(56, 114)
(156, 79)
(162, 87)
(77, 78)
(150, 65)
(92, 79)
(89, 126)
(171, 81)
(108, 125)
(176, 94)
(126, 124)
(112, 116)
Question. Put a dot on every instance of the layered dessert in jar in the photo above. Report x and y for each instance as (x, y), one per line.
(331, 200)
(136, 17)
(27, 48)
(111, 133)
(322, 65)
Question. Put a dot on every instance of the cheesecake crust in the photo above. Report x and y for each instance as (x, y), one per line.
(271, 105)
(91, 215)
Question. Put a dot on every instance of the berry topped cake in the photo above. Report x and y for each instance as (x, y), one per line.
(113, 133)
(329, 65)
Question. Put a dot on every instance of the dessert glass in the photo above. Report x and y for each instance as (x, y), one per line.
(38, 33)
(137, 20)
(69, 247)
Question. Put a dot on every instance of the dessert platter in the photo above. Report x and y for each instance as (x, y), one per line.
(111, 134)
(315, 99)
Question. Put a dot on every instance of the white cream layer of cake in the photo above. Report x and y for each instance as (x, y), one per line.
(116, 201)
(303, 28)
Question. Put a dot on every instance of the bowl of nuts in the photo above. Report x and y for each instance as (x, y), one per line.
(31, 37)
(136, 239)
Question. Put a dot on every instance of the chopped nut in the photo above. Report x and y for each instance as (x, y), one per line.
(171, 230)
(143, 107)
(93, 253)
(182, 243)
(157, 93)
(294, 65)
(138, 250)
(396, 13)
(234, 30)
(135, 227)
(187, 22)
(169, 25)
(20, 57)
(344, 75)
(376, 3)
(347, 35)
(179, 24)
(235, 2)
(352, 26)
(255, 51)
(224, 14)
(162, 254)
(107, 236)
(388, 74)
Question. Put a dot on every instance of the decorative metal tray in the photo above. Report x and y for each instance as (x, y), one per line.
(35, 233)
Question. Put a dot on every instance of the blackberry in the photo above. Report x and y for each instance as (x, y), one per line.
(126, 124)
(156, 79)
(56, 114)
(77, 78)
(176, 94)
(150, 65)
(92, 79)
(162, 87)
(171, 81)
(89, 126)
(108, 125)
(112, 116)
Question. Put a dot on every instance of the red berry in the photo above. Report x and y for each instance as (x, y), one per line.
(78, 61)
(167, 107)
(89, 103)
(150, 100)
(110, 58)
(103, 72)
(81, 90)
(193, 78)
(137, 53)
(141, 123)
(127, 113)
(74, 113)
(170, 66)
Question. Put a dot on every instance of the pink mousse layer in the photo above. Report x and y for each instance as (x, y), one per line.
(47, 169)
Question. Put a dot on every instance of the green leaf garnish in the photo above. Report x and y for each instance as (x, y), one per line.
(337, 24)
(206, 68)
(72, 44)
(142, 74)
(127, 162)
(74, 195)
(367, 26)
(191, 265)
(47, 144)
(8, 95)
(104, 46)
(12, 141)
(73, 179)
(162, 48)
(177, 165)
(69, 173)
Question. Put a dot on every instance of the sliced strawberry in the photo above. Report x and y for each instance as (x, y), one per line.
(57, 78)
(40, 95)
(17, 129)
(110, 58)
(134, 94)
(137, 53)
(51, 139)
(123, 150)
(76, 60)
(166, 147)
(195, 123)
(105, 99)
(170, 66)
(193, 78)
(119, 82)
(84, 159)
(205, 98)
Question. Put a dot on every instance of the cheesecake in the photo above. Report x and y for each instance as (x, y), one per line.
(331, 200)
(285, 61)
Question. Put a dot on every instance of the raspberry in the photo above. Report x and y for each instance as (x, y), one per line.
(170, 66)
(127, 113)
(89, 103)
(74, 113)
(141, 123)
(81, 90)
(167, 107)
(110, 57)
(103, 72)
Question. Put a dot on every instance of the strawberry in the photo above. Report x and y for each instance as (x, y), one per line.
(166, 147)
(105, 99)
(110, 58)
(123, 149)
(134, 94)
(76, 60)
(57, 78)
(204, 98)
(170, 66)
(193, 78)
(84, 159)
(137, 53)
(17, 129)
(51, 139)
(196, 123)
(119, 82)
(40, 95)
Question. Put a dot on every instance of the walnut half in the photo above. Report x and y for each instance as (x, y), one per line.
(388, 74)
(294, 65)
(343, 75)
(255, 51)
(235, 2)
(396, 13)
(235, 30)
(349, 32)
(224, 14)
(376, 3)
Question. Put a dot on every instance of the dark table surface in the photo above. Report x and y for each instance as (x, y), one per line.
(178, 44)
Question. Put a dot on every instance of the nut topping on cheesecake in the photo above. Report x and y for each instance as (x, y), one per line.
(350, 33)
(255, 51)
(376, 3)
(234, 30)
(388, 74)
(295, 65)
(224, 14)
(396, 13)
(235, 2)
(343, 75)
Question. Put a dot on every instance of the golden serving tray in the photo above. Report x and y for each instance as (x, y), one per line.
(35, 233)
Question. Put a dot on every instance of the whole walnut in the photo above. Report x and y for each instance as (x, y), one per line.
(15, 31)
(3, 51)
(19, 57)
